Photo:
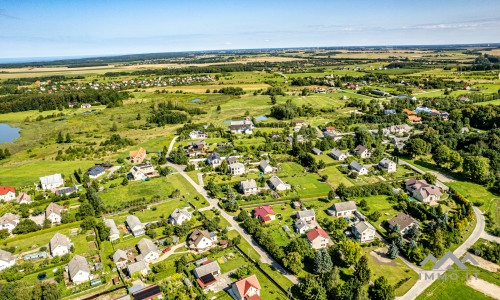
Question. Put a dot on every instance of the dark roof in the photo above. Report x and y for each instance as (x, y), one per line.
(68, 190)
(147, 293)
(209, 278)
(95, 170)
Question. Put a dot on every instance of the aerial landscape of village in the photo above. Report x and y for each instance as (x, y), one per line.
(326, 172)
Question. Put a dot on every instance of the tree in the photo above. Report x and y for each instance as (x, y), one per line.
(47, 224)
(114, 128)
(414, 232)
(351, 250)
(331, 195)
(331, 281)
(26, 226)
(381, 290)
(125, 181)
(400, 243)
(138, 116)
(103, 231)
(293, 262)
(60, 138)
(85, 210)
(416, 147)
(362, 273)
(476, 168)
(393, 251)
(441, 155)
(180, 264)
(430, 178)
(88, 223)
(68, 138)
(322, 262)
(273, 99)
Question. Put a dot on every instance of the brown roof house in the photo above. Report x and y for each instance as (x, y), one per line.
(404, 221)
(201, 240)
(422, 191)
(137, 157)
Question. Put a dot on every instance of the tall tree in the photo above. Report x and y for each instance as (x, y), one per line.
(362, 273)
(393, 251)
(322, 262)
(381, 290)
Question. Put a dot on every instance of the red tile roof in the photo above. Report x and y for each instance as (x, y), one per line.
(5, 189)
(244, 284)
(313, 234)
(263, 211)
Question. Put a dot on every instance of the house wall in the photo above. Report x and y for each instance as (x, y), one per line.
(80, 277)
(8, 197)
(60, 251)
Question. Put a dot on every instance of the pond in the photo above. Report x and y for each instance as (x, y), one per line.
(7, 133)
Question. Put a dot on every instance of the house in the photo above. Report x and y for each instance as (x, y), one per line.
(105, 166)
(409, 112)
(277, 184)
(214, 159)
(150, 292)
(317, 151)
(404, 221)
(51, 181)
(147, 249)
(364, 231)
(78, 269)
(200, 240)
(414, 119)
(53, 212)
(179, 216)
(306, 215)
(36, 256)
(236, 169)
(59, 245)
(362, 151)
(338, 155)
(231, 160)
(246, 289)
(23, 198)
(138, 156)
(264, 214)
(464, 99)
(266, 167)
(388, 165)
(400, 142)
(7, 193)
(6, 260)
(244, 126)
(205, 274)
(95, 172)
(9, 221)
(400, 129)
(318, 238)
(135, 226)
(296, 204)
(407, 97)
(86, 105)
(195, 135)
(138, 267)
(249, 186)
(143, 171)
(114, 234)
(196, 148)
(389, 112)
(359, 168)
(120, 258)
(342, 209)
(301, 227)
(66, 191)
(422, 191)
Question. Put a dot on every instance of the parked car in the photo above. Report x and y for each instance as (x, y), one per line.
(166, 249)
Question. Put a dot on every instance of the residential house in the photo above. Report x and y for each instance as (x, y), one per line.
(318, 238)
(277, 184)
(59, 245)
(296, 204)
(120, 258)
(246, 288)
(138, 156)
(387, 165)
(400, 129)
(66, 191)
(409, 112)
(264, 214)
(138, 267)
(359, 168)
(9, 221)
(214, 159)
(306, 215)
(404, 221)
(53, 212)
(196, 134)
(23, 198)
(364, 232)
(95, 172)
(150, 292)
(231, 160)
(362, 151)
(135, 226)
(114, 234)
(179, 216)
(78, 269)
(244, 126)
(7, 193)
(408, 97)
(338, 155)
(266, 167)
(414, 119)
(342, 209)
(200, 240)
(86, 105)
(205, 274)
(463, 98)
(147, 249)
(400, 142)
(6, 260)
(317, 151)
(301, 227)
(51, 181)
(248, 187)
(389, 112)
(422, 191)
(236, 169)
(143, 171)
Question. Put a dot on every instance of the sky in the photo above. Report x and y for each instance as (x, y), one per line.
(53, 28)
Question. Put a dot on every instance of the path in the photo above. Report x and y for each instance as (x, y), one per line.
(112, 170)
(172, 251)
(490, 237)
(422, 285)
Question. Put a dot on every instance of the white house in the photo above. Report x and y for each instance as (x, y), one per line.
(195, 134)
(9, 221)
(135, 226)
(306, 215)
(277, 184)
(7, 193)
(249, 186)
(364, 232)
(266, 167)
(342, 209)
(179, 216)
(318, 238)
(338, 155)
(147, 250)
(200, 240)
(359, 168)
(301, 227)
(362, 151)
(387, 164)
(23, 198)
(120, 258)
(237, 169)
(114, 234)
(78, 269)
(247, 288)
(140, 266)
(59, 244)
(86, 105)
(214, 159)
(422, 191)
(6, 260)
(53, 212)
(51, 181)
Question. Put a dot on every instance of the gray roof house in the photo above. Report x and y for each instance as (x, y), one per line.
(148, 250)
(338, 155)
(317, 151)
(306, 215)
(277, 184)
(357, 167)
(114, 234)
(78, 269)
(248, 186)
(364, 232)
(301, 227)
(210, 268)
(120, 258)
(342, 209)
(266, 167)
(140, 266)
(135, 226)
(387, 164)
(180, 215)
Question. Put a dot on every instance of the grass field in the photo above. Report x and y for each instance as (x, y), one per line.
(335, 177)
(309, 185)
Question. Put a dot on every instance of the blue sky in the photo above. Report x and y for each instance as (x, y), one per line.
(108, 27)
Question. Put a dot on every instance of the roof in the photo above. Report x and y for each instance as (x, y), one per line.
(206, 280)
(214, 155)
(67, 190)
(264, 164)
(146, 246)
(23, 197)
(205, 269)
(133, 221)
(356, 166)
(301, 224)
(5, 256)
(76, 264)
(180, 211)
(275, 180)
(244, 284)
(306, 213)
(231, 160)
(263, 211)
(316, 150)
(51, 179)
(137, 267)
(360, 149)
(386, 161)
(315, 233)
(236, 166)
(147, 293)
(10, 218)
(6, 189)
(119, 255)
(344, 206)
(59, 239)
(140, 152)
(423, 187)
(363, 226)
(248, 184)
(110, 223)
(336, 152)
(197, 235)
(95, 170)
(402, 219)
(53, 208)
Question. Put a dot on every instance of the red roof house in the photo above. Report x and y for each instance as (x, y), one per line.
(247, 288)
(264, 214)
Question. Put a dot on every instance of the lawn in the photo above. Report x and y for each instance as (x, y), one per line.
(335, 177)
(309, 186)
(289, 169)
(244, 245)
(381, 204)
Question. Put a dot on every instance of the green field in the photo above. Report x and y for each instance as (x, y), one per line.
(309, 185)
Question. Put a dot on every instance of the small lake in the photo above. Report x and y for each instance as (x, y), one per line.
(7, 133)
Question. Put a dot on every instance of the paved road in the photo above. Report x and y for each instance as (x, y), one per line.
(422, 285)
(490, 237)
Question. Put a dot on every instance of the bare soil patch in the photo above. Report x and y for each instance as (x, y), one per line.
(485, 264)
(489, 289)
(380, 257)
